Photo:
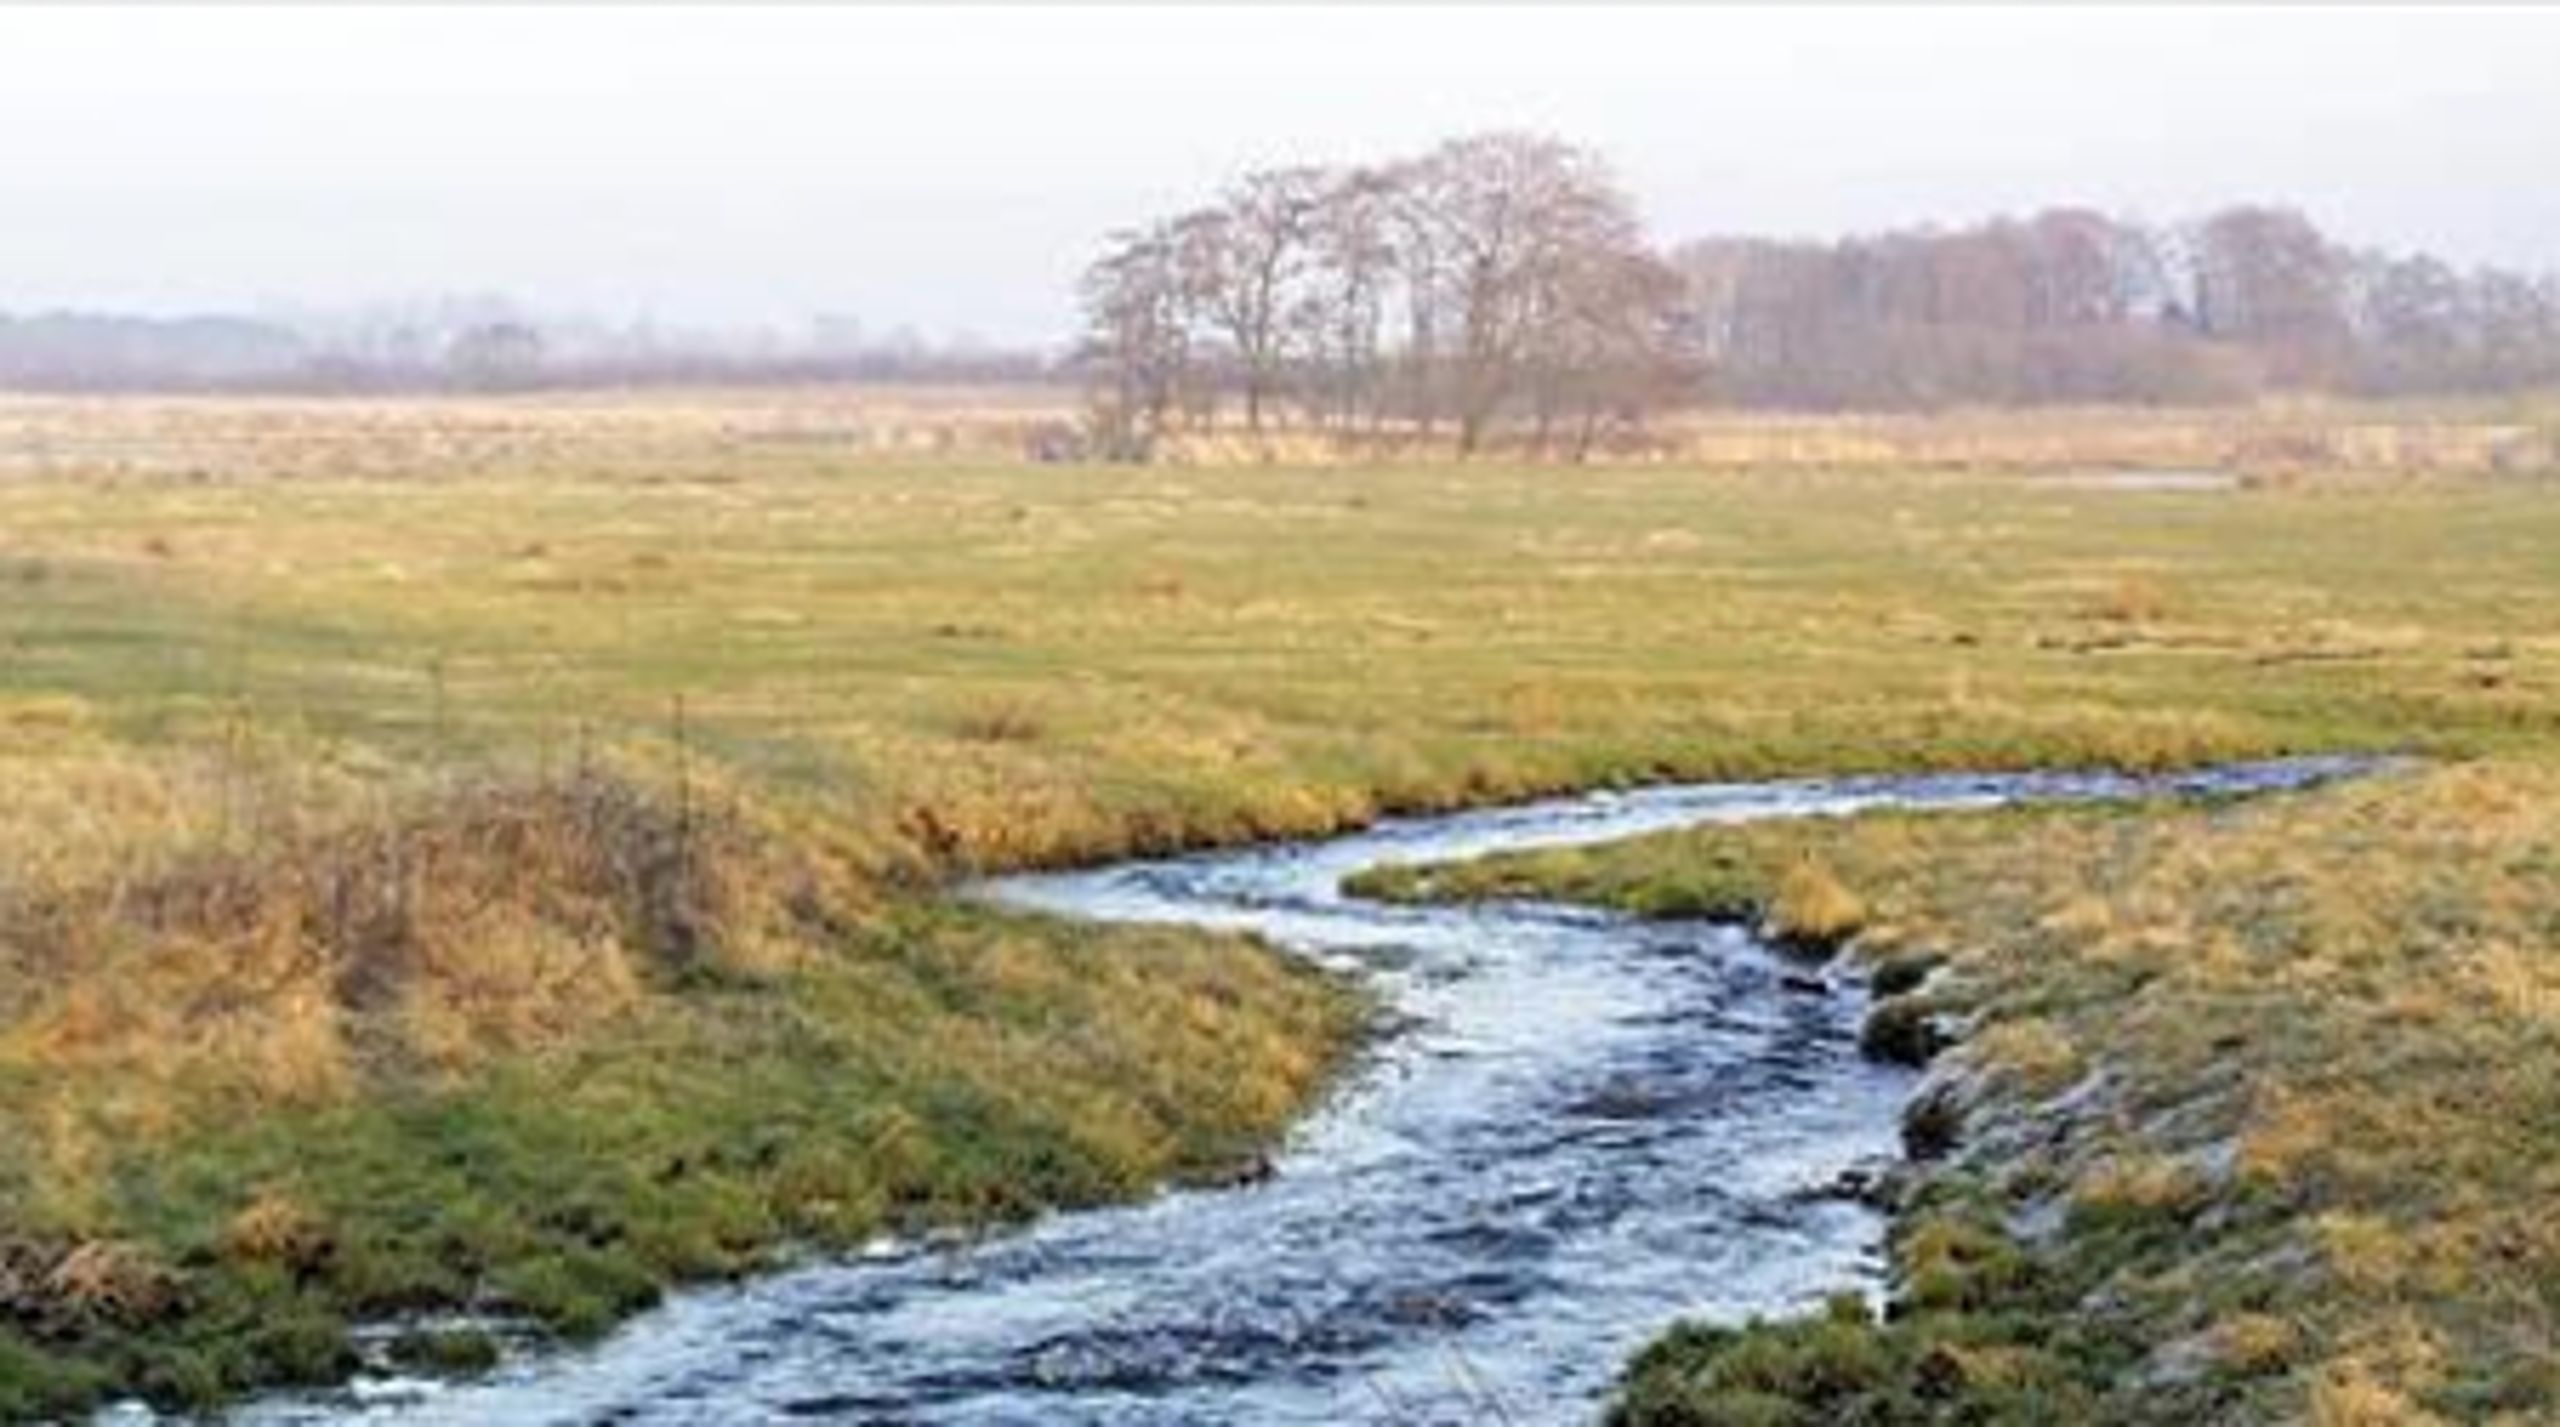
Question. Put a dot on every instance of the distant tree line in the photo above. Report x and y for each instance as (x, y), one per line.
(1499, 287)
(2072, 305)
(1503, 284)
(92, 351)
(475, 345)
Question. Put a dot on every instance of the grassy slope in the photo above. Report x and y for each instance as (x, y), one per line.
(849, 681)
(535, 1051)
(2254, 1116)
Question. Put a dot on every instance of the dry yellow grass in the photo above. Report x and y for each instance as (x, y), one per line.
(1812, 906)
(664, 432)
(661, 433)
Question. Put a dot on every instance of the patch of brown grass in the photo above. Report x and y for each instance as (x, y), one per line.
(2346, 1394)
(62, 1287)
(2131, 599)
(1813, 905)
(498, 919)
(276, 1228)
(2255, 1344)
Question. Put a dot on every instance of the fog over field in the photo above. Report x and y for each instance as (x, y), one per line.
(953, 171)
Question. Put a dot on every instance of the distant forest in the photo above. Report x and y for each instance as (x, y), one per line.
(468, 345)
(1503, 283)
(2073, 305)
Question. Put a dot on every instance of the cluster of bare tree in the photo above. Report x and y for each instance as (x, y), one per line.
(2071, 305)
(1496, 279)
(1503, 283)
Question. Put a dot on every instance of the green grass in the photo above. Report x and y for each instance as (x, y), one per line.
(824, 688)
(936, 1067)
(2252, 1118)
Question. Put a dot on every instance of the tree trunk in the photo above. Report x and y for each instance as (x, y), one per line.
(1590, 432)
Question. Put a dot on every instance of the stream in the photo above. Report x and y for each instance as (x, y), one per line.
(1583, 1128)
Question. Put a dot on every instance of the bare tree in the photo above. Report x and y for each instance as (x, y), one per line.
(496, 356)
(2268, 278)
(1243, 259)
(1345, 316)
(1615, 342)
(2516, 327)
(1137, 347)
(1512, 212)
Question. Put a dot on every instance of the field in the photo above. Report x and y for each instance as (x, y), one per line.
(430, 828)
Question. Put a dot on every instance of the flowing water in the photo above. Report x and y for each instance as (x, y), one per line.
(1586, 1127)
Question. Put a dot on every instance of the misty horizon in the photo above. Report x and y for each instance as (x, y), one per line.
(754, 171)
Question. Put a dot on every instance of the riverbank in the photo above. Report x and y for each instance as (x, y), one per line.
(1476, 1224)
(528, 1061)
(2247, 1114)
(526, 809)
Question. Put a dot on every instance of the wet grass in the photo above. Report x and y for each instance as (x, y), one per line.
(510, 878)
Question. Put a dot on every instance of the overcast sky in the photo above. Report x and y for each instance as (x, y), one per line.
(953, 168)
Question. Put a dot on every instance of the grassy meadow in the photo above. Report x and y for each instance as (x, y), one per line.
(492, 857)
